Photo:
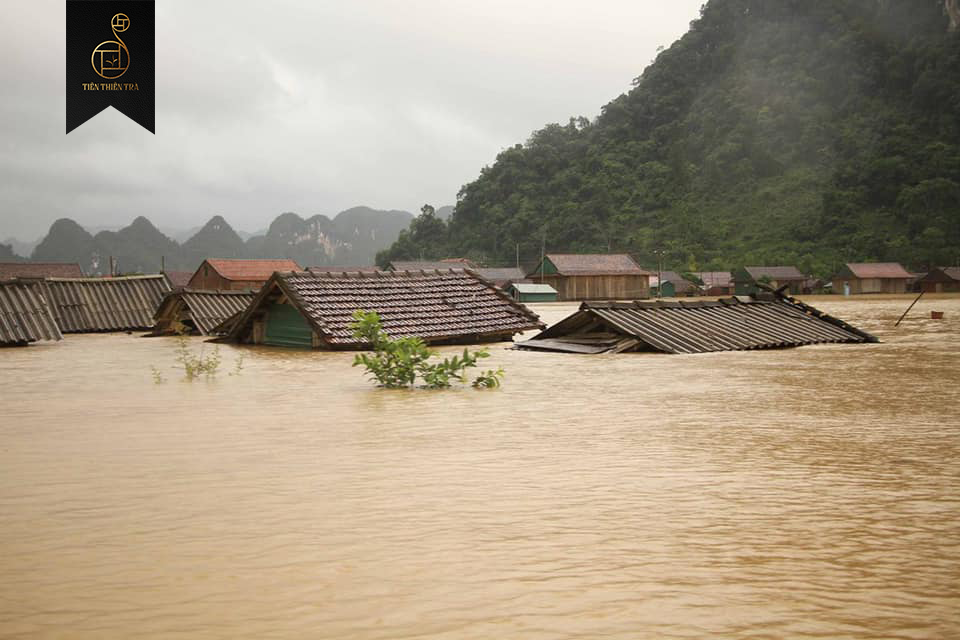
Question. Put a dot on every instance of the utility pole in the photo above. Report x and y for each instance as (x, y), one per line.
(659, 254)
(543, 253)
(518, 255)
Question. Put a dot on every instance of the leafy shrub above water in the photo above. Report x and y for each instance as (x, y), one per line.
(396, 363)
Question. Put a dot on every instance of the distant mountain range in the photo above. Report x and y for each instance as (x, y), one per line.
(351, 238)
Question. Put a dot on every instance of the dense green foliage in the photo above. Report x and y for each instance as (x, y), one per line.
(806, 132)
(396, 363)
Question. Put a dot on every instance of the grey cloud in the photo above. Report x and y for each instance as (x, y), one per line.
(309, 106)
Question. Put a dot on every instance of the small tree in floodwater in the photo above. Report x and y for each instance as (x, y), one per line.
(396, 363)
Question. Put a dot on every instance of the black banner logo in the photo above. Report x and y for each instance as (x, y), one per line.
(110, 60)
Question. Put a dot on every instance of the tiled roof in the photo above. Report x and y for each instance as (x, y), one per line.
(680, 284)
(205, 309)
(254, 270)
(40, 270)
(447, 305)
(595, 264)
(500, 275)
(878, 270)
(715, 278)
(730, 324)
(24, 314)
(83, 305)
(775, 273)
(178, 279)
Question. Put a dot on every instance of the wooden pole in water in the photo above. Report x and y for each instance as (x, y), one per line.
(908, 308)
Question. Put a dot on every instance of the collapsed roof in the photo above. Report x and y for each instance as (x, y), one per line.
(738, 323)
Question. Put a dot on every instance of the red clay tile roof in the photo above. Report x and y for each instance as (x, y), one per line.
(878, 270)
(452, 305)
(40, 270)
(254, 270)
(595, 264)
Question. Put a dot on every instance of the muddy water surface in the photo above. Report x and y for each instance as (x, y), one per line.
(804, 493)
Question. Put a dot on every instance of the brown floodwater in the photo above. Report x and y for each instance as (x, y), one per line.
(802, 493)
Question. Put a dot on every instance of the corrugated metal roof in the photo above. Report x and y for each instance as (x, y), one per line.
(878, 270)
(25, 315)
(447, 305)
(205, 310)
(697, 327)
(10, 270)
(594, 264)
(253, 270)
(105, 304)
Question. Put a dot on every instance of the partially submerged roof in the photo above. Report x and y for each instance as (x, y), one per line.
(178, 279)
(779, 274)
(942, 274)
(593, 264)
(452, 305)
(715, 278)
(680, 284)
(500, 276)
(203, 310)
(25, 315)
(529, 287)
(105, 304)
(10, 270)
(875, 270)
(252, 270)
(703, 326)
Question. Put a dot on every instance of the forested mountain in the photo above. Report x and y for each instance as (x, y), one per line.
(807, 132)
(352, 238)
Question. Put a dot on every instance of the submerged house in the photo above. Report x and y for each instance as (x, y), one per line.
(941, 280)
(216, 274)
(871, 277)
(198, 312)
(501, 277)
(745, 279)
(672, 285)
(315, 309)
(592, 276)
(716, 283)
(25, 316)
(125, 303)
(765, 322)
(531, 292)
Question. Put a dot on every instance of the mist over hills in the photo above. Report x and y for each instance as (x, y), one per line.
(805, 132)
(351, 238)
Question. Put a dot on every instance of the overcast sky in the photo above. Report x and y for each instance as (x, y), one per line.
(309, 106)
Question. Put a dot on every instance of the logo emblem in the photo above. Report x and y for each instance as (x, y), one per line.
(111, 59)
